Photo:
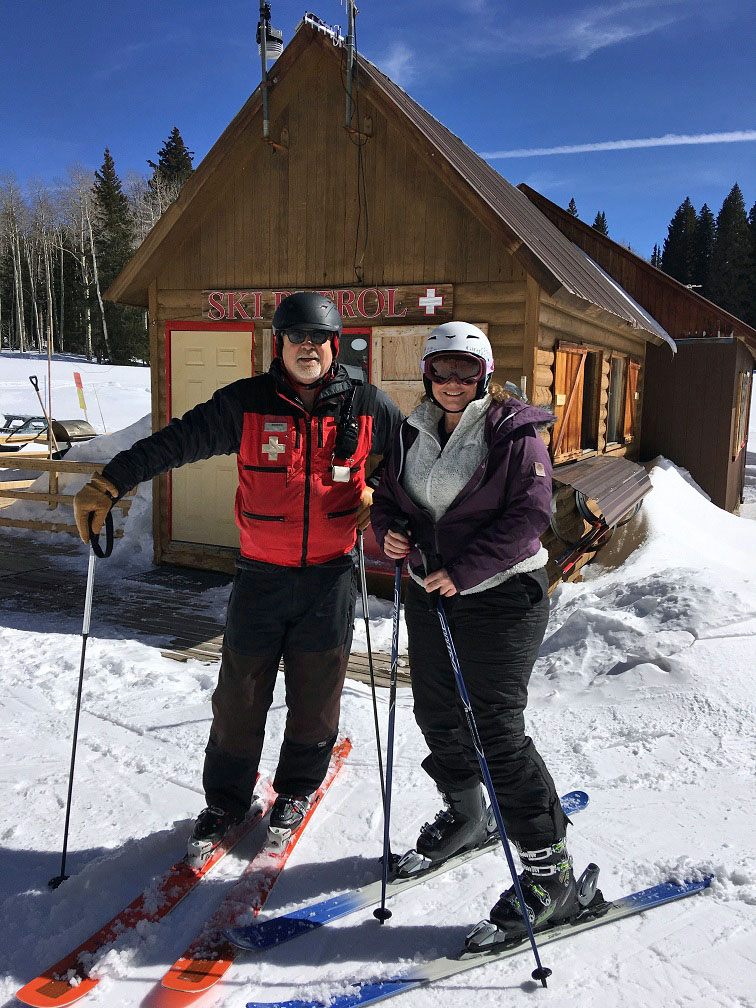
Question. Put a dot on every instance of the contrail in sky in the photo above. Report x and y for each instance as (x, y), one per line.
(668, 140)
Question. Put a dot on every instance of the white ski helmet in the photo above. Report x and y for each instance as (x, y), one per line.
(460, 338)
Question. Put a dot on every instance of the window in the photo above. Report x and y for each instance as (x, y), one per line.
(631, 401)
(577, 384)
(354, 353)
(741, 412)
(615, 410)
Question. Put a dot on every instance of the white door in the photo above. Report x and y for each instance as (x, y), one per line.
(203, 492)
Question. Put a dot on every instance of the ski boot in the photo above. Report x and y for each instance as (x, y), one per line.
(286, 816)
(552, 896)
(211, 826)
(463, 825)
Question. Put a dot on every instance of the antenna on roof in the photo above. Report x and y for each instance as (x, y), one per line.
(351, 12)
(270, 44)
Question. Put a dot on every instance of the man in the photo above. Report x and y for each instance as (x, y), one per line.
(302, 433)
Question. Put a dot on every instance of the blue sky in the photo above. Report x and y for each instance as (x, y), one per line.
(506, 77)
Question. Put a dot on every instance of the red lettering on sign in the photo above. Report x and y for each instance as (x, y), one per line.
(216, 310)
(381, 302)
(345, 303)
(235, 305)
(280, 295)
(331, 295)
(391, 311)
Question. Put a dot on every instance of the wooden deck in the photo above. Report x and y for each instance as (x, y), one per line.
(177, 609)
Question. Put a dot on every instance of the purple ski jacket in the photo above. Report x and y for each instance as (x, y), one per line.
(496, 520)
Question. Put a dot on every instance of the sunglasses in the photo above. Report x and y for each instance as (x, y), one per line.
(467, 370)
(316, 336)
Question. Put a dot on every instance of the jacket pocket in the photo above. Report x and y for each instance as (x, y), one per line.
(261, 517)
(343, 514)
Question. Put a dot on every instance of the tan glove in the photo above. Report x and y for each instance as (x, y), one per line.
(363, 514)
(96, 498)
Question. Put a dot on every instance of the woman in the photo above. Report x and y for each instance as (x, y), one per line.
(472, 478)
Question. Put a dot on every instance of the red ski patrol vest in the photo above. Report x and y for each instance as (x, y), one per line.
(289, 509)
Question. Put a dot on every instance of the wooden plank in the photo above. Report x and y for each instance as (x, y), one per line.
(37, 464)
(530, 335)
(406, 394)
(31, 495)
(402, 351)
(46, 526)
(491, 292)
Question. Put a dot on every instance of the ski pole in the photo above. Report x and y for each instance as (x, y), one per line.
(382, 913)
(366, 614)
(50, 436)
(541, 972)
(96, 551)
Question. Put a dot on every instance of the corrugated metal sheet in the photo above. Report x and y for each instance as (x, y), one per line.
(573, 271)
(616, 484)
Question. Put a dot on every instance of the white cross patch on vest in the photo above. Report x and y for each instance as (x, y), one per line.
(273, 448)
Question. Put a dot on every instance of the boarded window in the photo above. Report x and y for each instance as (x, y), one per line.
(741, 412)
(577, 374)
(616, 405)
(630, 427)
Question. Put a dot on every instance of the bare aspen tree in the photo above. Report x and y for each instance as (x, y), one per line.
(46, 225)
(149, 201)
(12, 213)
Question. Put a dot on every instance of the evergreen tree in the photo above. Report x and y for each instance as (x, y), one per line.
(174, 164)
(600, 223)
(572, 207)
(656, 257)
(114, 244)
(677, 254)
(702, 247)
(751, 318)
(730, 275)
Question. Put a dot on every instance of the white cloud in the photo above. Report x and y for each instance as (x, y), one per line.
(578, 33)
(668, 140)
(399, 63)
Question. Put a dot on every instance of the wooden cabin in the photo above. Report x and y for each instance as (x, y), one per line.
(404, 227)
(696, 403)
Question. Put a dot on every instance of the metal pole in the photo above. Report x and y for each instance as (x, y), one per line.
(541, 972)
(382, 913)
(366, 614)
(56, 881)
(264, 21)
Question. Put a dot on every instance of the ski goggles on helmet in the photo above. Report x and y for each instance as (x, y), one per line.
(467, 369)
(316, 336)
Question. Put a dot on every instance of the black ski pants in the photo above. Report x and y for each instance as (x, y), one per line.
(304, 615)
(497, 634)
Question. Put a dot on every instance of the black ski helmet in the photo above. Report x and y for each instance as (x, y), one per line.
(307, 310)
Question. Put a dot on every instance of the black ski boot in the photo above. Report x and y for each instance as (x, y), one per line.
(551, 897)
(211, 826)
(286, 815)
(465, 823)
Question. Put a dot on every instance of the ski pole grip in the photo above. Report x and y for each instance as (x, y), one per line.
(94, 539)
(400, 524)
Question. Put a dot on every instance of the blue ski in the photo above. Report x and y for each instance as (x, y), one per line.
(446, 966)
(266, 934)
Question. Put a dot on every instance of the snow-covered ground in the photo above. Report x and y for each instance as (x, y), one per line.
(642, 695)
(114, 396)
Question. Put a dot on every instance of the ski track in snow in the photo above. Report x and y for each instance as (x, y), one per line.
(642, 695)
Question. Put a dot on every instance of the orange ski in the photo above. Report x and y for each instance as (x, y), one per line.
(68, 980)
(211, 954)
